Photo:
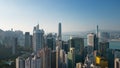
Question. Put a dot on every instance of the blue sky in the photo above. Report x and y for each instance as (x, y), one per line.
(75, 15)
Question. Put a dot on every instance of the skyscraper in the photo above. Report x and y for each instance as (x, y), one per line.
(92, 40)
(117, 63)
(103, 46)
(46, 57)
(97, 31)
(53, 59)
(104, 37)
(20, 62)
(59, 32)
(38, 38)
(57, 56)
(71, 58)
(27, 40)
(78, 44)
(51, 41)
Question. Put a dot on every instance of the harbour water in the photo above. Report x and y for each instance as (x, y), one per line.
(114, 44)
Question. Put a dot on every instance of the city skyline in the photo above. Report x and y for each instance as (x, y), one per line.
(79, 15)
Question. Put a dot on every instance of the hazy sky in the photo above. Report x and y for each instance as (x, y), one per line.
(75, 15)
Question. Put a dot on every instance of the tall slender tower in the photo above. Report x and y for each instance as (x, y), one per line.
(97, 31)
(59, 32)
(97, 36)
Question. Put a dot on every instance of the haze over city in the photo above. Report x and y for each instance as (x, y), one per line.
(75, 15)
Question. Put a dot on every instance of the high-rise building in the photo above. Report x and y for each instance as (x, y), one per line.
(20, 62)
(38, 38)
(14, 44)
(78, 44)
(66, 60)
(92, 40)
(117, 63)
(97, 31)
(36, 62)
(57, 56)
(103, 46)
(110, 58)
(28, 62)
(65, 46)
(51, 41)
(53, 59)
(59, 32)
(104, 37)
(46, 57)
(71, 58)
(63, 59)
(27, 40)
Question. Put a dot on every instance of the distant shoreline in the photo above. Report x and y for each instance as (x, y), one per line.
(115, 40)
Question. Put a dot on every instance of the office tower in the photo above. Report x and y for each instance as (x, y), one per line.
(20, 38)
(14, 44)
(63, 59)
(78, 44)
(92, 40)
(117, 63)
(71, 58)
(20, 62)
(103, 46)
(27, 40)
(61, 56)
(110, 58)
(97, 31)
(104, 37)
(85, 52)
(45, 55)
(51, 41)
(57, 56)
(53, 59)
(96, 40)
(66, 60)
(28, 62)
(59, 40)
(59, 32)
(65, 46)
(31, 42)
(35, 62)
(38, 62)
(38, 38)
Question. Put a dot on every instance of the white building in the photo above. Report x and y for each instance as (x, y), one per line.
(91, 39)
(117, 63)
(20, 63)
(57, 56)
